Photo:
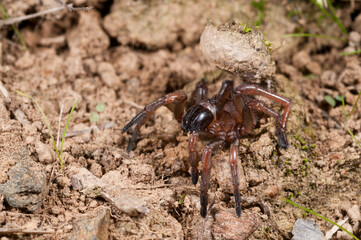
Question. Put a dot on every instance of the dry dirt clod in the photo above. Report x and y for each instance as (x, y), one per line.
(271, 191)
(94, 225)
(243, 52)
(87, 38)
(131, 205)
(229, 226)
(26, 185)
(354, 213)
(108, 75)
(44, 152)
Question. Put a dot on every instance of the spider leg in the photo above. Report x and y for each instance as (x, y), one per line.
(281, 122)
(193, 154)
(233, 157)
(223, 96)
(174, 101)
(206, 172)
(280, 131)
(199, 93)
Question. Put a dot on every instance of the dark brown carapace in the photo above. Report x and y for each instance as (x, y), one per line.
(221, 120)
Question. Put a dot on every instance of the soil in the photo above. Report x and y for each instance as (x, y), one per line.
(125, 54)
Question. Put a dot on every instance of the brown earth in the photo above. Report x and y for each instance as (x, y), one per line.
(125, 54)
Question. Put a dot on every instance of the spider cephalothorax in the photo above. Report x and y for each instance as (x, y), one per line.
(224, 119)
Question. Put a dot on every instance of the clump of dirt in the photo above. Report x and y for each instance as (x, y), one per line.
(125, 54)
(239, 49)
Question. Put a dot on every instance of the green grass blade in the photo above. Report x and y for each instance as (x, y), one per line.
(333, 17)
(47, 124)
(312, 35)
(336, 19)
(320, 216)
(66, 128)
(344, 110)
(353, 136)
(350, 53)
(15, 29)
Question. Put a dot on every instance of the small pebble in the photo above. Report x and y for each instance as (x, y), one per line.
(63, 181)
(320, 163)
(96, 169)
(354, 213)
(44, 153)
(56, 210)
(271, 191)
(355, 38)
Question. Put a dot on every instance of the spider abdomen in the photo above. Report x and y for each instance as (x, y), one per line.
(196, 119)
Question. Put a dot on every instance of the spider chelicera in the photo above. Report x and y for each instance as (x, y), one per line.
(221, 120)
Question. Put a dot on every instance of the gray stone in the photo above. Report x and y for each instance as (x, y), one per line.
(91, 226)
(306, 229)
(26, 185)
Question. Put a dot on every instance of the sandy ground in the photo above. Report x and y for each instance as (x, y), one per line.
(125, 54)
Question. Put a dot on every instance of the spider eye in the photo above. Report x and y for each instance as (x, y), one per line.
(196, 119)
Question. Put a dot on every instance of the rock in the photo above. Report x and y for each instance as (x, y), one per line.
(354, 39)
(26, 185)
(306, 229)
(354, 213)
(232, 49)
(91, 226)
(44, 152)
(110, 189)
(63, 181)
(96, 169)
(320, 163)
(228, 226)
(108, 75)
(131, 205)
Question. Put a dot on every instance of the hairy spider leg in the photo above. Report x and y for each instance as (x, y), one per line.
(233, 157)
(206, 172)
(193, 153)
(223, 96)
(281, 122)
(200, 93)
(193, 157)
(173, 101)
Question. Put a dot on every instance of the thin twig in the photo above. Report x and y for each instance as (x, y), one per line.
(68, 7)
(132, 104)
(90, 129)
(334, 229)
(61, 113)
(74, 9)
(5, 93)
(30, 16)
(150, 187)
(26, 231)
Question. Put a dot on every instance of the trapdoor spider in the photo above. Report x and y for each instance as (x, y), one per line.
(223, 119)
